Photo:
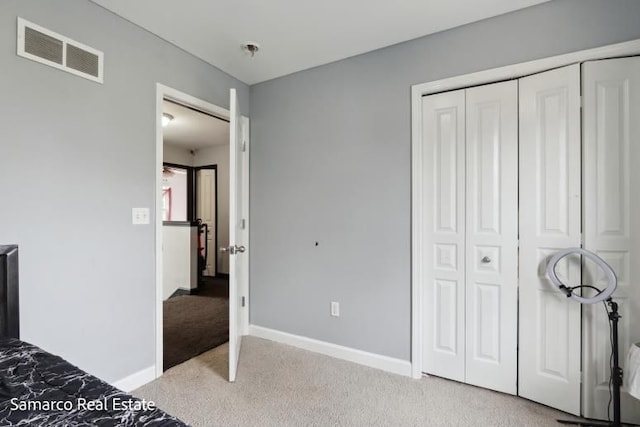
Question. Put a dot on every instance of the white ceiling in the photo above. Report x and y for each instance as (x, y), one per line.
(193, 130)
(296, 34)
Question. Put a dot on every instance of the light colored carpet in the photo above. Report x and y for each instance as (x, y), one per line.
(279, 385)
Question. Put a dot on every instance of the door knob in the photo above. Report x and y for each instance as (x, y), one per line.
(486, 260)
(233, 249)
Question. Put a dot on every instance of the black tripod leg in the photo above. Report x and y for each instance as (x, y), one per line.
(616, 371)
(616, 376)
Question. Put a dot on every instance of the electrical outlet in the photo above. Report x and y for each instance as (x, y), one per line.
(335, 309)
(140, 215)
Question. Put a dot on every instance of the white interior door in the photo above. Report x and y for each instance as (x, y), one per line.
(238, 235)
(444, 234)
(611, 90)
(550, 219)
(206, 183)
(492, 236)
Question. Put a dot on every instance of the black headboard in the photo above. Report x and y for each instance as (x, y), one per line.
(9, 302)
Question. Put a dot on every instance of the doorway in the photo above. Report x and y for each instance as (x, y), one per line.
(203, 159)
(206, 205)
(196, 284)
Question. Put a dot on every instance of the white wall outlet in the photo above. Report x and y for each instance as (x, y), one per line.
(140, 215)
(335, 309)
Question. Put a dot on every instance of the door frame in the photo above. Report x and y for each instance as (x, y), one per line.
(459, 82)
(197, 169)
(166, 92)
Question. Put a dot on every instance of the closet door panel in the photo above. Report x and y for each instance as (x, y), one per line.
(444, 234)
(491, 236)
(550, 219)
(611, 90)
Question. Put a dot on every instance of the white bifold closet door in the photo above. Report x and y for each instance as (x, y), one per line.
(550, 219)
(611, 90)
(444, 234)
(470, 235)
(492, 236)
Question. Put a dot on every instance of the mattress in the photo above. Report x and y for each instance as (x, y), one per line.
(40, 389)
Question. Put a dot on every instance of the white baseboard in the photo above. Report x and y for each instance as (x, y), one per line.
(385, 363)
(135, 380)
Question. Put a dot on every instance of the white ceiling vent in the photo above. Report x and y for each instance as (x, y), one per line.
(47, 47)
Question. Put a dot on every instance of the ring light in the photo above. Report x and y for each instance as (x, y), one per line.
(612, 281)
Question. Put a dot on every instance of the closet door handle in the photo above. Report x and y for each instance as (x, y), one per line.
(486, 260)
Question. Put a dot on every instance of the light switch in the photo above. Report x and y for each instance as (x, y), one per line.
(140, 215)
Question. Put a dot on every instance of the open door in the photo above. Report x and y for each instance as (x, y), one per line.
(238, 215)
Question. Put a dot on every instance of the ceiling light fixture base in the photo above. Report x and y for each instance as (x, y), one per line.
(250, 48)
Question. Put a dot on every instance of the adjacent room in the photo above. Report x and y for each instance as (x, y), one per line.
(332, 213)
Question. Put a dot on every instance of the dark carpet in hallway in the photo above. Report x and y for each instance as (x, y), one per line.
(194, 324)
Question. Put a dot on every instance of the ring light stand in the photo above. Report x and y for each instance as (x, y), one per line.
(601, 296)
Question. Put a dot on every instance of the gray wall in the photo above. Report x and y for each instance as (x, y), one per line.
(75, 157)
(330, 162)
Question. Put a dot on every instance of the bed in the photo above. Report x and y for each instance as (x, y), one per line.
(38, 388)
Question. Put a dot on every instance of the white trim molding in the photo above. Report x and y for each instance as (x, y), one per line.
(372, 360)
(135, 380)
(246, 170)
(458, 82)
